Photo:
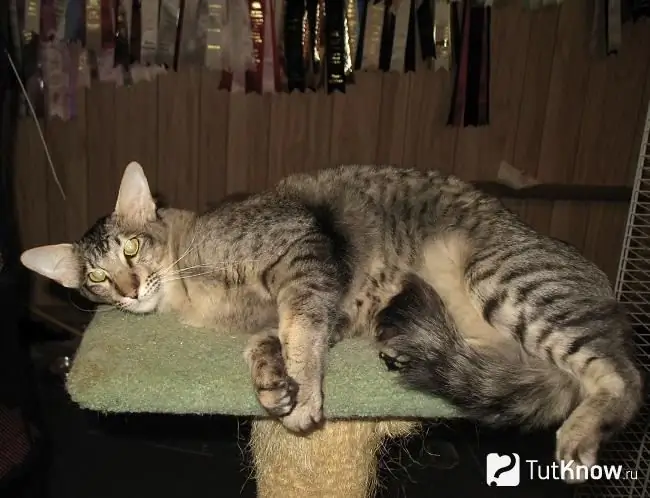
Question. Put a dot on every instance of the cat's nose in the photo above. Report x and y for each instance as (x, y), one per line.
(135, 287)
(133, 293)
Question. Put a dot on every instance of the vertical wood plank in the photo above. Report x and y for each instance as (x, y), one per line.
(238, 143)
(566, 95)
(288, 136)
(625, 88)
(569, 222)
(355, 121)
(394, 110)
(258, 125)
(213, 140)
(136, 130)
(30, 187)
(604, 235)
(319, 131)
(100, 149)
(57, 137)
(537, 76)
(642, 113)
(178, 132)
(506, 89)
(436, 142)
(538, 214)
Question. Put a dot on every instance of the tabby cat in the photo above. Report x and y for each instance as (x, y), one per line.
(465, 300)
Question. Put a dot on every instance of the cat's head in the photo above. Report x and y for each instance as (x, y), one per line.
(121, 260)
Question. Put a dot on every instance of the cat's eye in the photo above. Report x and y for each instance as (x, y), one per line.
(97, 276)
(131, 247)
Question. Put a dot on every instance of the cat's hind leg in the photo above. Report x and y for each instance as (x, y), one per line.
(611, 396)
(275, 390)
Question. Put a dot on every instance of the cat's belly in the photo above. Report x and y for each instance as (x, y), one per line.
(370, 292)
(234, 310)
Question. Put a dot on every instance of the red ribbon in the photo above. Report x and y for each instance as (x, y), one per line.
(108, 24)
(262, 18)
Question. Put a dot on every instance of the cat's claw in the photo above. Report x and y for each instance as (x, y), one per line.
(393, 360)
(279, 397)
(577, 443)
(305, 416)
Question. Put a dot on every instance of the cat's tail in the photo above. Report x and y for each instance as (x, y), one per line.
(495, 384)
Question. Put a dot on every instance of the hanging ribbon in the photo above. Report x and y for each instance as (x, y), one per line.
(48, 20)
(214, 34)
(478, 72)
(83, 67)
(106, 60)
(614, 28)
(484, 87)
(32, 19)
(442, 33)
(14, 29)
(413, 53)
(93, 26)
(294, 14)
(372, 35)
(401, 10)
(425, 30)
(135, 32)
(74, 21)
(55, 80)
(254, 76)
(127, 5)
(240, 44)
(192, 44)
(270, 67)
(122, 41)
(167, 29)
(60, 8)
(351, 36)
(149, 33)
(334, 29)
(387, 37)
(314, 46)
(457, 112)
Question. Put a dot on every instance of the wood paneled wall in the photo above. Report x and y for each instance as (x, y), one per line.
(558, 113)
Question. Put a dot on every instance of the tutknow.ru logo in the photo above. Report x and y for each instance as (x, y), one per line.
(505, 470)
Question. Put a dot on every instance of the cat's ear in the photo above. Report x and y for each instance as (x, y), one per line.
(134, 201)
(56, 262)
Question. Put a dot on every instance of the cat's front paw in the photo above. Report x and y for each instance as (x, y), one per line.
(577, 442)
(307, 415)
(278, 397)
(276, 391)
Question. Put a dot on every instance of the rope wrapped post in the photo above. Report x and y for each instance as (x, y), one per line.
(338, 461)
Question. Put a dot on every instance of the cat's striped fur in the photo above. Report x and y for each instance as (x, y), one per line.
(469, 302)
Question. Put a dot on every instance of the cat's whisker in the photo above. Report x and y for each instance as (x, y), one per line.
(96, 310)
(187, 251)
(224, 266)
(171, 279)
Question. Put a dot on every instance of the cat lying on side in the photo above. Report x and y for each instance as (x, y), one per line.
(466, 300)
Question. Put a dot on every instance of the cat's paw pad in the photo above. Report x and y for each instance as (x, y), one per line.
(393, 359)
(576, 450)
(277, 396)
(306, 416)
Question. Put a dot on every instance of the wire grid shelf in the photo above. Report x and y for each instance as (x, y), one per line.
(630, 449)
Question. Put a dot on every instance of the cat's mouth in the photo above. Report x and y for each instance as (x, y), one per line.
(141, 305)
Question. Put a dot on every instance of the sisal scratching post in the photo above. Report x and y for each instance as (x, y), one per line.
(338, 461)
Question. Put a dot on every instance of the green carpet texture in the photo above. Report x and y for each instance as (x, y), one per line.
(153, 364)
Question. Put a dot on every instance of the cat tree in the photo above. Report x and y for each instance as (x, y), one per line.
(152, 364)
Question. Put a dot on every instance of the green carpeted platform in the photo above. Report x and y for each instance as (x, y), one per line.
(154, 364)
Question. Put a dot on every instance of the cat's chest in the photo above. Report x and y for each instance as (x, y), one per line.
(237, 308)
